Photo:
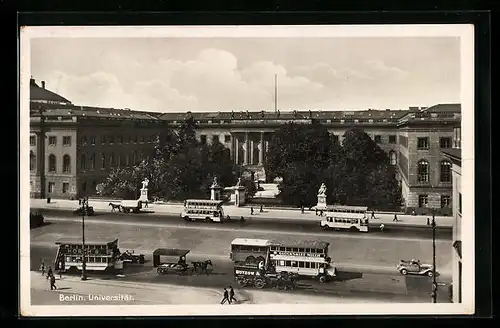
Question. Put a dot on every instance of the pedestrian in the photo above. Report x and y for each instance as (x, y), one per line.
(52, 282)
(42, 268)
(146, 204)
(261, 208)
(395, 218)
(226, 297)
(316, 211)
(231, 294)
(382, 226)
(373, 215)
(49, 272)
(428, 221)
(302, 209)
(60, 270)
(79, 201)
(413, 213)
(251, 210)
(321, 213)
(242, 220)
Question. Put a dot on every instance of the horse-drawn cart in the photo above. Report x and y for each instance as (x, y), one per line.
(247, 276)
(181, 267)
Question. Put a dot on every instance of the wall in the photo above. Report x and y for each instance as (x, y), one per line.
(457, 232)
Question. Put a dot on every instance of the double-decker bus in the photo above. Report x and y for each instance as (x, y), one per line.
(352, 218)
(206, 210)
(100, 255)
(304, 258)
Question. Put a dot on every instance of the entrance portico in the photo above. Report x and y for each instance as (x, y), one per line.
(248, 147)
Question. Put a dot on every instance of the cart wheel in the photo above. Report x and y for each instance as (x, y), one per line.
(159, 271)
(259, 283)
(322, 279)
(404, 272)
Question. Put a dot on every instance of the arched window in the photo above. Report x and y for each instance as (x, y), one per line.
(83, 162)
(32, 161)
(92, 162)
(423, 171)
(445, 171)
(103, 161)
(392, 157)
(52, 163)
(66, 164)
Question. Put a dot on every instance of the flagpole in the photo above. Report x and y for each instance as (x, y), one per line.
(275, 93)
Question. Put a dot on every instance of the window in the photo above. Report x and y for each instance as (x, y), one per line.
(65, 187)
(66, 164)
(392, 139)
(83, 162)
(128, 139)
(227, 138)
(66, 141)
(215, 138)
(445, 142)
(301, 265)
(111, 139)
(445, 171)
(393, 157)
(103, 161)
(422, 200)
(103, 140)
(203, 139)
(460, 203)
(134, 157)
(423, 171)
(112, 160)
(52, 185)
(52, 141)
(136, 138)
(119, 160)
(92, 140)
(445, 201)
(378, 139)
(403, 141)
(120, 139)
(32, 161)
(127, 160)
(142, 139)
(423, 143)
(83, 141)
(92, 162)
(52, 163)
(32, 141)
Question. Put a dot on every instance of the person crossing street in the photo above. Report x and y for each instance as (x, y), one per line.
(226, 297)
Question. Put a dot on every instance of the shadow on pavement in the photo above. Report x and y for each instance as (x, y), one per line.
(345, 276)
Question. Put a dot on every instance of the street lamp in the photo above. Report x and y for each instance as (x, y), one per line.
(434, 283)
(85, 206)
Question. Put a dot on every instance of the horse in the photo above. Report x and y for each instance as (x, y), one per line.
(114, 207)
(202, 267)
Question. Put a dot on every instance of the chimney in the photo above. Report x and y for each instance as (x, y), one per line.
(43, 84)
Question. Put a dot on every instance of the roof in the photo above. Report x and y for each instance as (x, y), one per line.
(250, 241)
(439, 108)
(206, 201)
(303, 244)
(97, 112)
(453, 153)
(42, 94)
(78, 240)
(171, 252)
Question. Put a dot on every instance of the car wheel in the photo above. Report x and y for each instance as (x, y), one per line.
(404, 272)
(322, 279)
(430, 274)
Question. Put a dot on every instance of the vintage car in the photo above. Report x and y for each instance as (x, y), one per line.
(87, 210)
(36, 219)
(414, 267)
(129, 257)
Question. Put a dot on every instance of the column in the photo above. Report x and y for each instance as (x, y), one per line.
(251, 152)
(245, 154)
(261, 149)
(237, 150)
(231, 148)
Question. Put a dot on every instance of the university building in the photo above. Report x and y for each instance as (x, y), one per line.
(84, 142)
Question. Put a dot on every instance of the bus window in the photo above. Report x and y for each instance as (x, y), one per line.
(307, 265)
(295, 264)
(288, 263)
(282, 263)
(301, 264)
(288, 249)
(68, 259)
(91, 259)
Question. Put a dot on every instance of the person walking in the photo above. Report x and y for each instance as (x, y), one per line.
(231, 294)
(302, 209)
(226, 297)
(251, 210)
(42, 268)
(395, 218)
(52, 282)
(373, 215)
(49, 272)
(261, 208)
(428, 221)
(242, 220)
(382, 227)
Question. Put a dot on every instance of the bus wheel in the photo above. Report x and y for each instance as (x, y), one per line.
(186, 218)
(207, 219)
(353, 229)
(73, 269)
(322, 279)
(250, 260)
(325, 227)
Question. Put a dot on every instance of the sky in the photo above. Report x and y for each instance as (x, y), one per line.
(224, 74)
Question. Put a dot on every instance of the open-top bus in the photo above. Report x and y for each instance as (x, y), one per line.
(201, 209)
(100, 255)
(304, 258)
(352, 218)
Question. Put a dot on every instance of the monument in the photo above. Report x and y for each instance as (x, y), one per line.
(238, 193)
(321, 198)
(215, 189)
(144, 191)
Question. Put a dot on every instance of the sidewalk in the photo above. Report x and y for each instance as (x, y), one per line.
(236, 212)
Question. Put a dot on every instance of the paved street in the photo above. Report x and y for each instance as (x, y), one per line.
(367, 265)
(274, 214)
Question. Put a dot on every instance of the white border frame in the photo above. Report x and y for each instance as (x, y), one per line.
(462, 31)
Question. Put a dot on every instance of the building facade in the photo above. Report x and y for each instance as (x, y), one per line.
(83, 143)
(454, 155)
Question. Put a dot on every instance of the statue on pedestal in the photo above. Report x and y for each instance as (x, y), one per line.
(238, 183)
(322, 190)
(215, 183)
(321, 197)
(145, 183)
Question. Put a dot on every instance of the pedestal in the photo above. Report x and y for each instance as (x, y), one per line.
(215, 193)
(144, 196)
(239, 196)
(321, 202)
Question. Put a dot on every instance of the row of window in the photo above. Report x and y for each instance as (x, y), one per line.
(299, 264)
(110, 139)
(215, 138)
(424, 199)
(423, 143)
(66, 140)
(423, 171)
(89, 259)
(297, 250)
